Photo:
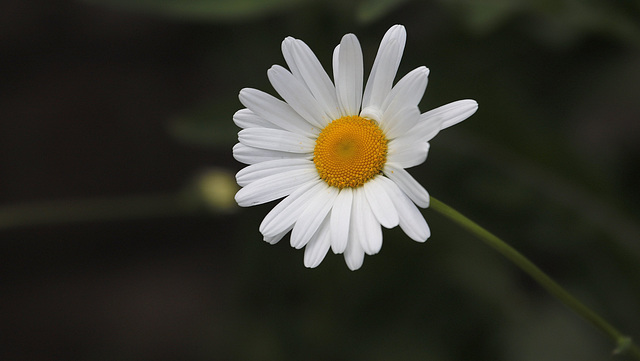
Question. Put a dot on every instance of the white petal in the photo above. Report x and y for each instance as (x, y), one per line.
(459, 111)
(411, 220)
(261, 170)
(316, 78)
(379, 82)
(251, 155)
(380, 202)
(372, 112)
(407, 155)
(245, 118)
(274, 187)
(284, 214)
(409, 90)
(298, 96)
(424, 130)
(275, 239)
(384, 68)
(335, 62)
(398, 122)
(312, 216)
(433, 121)
(317, 248)
(366, 228)
(349, 75)
(340, 219)
(277, 112)
(276, 139)
(353, 254)
(407, 184)
(287, 52)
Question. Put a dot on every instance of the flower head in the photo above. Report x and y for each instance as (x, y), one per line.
(337, 153)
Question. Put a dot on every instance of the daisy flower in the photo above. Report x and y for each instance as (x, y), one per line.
(338, 153)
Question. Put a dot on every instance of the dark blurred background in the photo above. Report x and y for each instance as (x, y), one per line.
(110, 99)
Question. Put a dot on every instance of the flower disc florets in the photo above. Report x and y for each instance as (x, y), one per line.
(350, 151)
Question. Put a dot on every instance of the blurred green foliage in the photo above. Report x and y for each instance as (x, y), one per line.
(203, 10)
(554, 19)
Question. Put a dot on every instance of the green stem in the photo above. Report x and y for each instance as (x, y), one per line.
(624, 344)
(97, 209)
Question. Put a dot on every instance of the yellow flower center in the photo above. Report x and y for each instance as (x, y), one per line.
(350, 151)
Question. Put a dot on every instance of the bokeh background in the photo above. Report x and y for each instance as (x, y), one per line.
(106, 101)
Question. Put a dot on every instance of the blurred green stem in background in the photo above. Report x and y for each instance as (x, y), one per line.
(624, 344)
(212, 190)
(97, 209)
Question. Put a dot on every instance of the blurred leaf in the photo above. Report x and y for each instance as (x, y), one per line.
(209, 125)
(203, 9)
(554, 21)
(570, 19)
(485, 16)
(371, 10)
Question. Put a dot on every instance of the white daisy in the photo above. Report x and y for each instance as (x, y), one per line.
(337, 154)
